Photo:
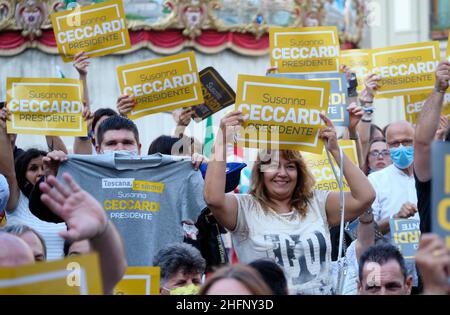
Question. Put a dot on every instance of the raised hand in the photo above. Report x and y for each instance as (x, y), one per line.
(371, 85)
(81, 63)
(125, 104)
(329, 135)
(52, 161)
(230, 124)
(433, 263)
(83, 215)
(355, 115)
(443, 76)
(183, 117)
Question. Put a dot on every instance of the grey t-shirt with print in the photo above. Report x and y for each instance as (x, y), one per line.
(146, 197)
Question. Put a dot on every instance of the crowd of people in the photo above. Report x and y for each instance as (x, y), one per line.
(283, 231)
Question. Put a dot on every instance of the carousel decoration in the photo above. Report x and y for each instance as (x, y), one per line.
(168, 26)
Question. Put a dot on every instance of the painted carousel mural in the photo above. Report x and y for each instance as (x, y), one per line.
(168, 26)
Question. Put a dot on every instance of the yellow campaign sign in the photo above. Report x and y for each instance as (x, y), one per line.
(162, 84)
(76, 275)
(305, 50)
(414, 104)
(320, 167)
(45, 106)
(406, 69)
(448, 50)
(139, 281)
(360, 61)
(282, 113)
(98, 30)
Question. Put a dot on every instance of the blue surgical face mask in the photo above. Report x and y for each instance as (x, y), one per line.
(402, 157)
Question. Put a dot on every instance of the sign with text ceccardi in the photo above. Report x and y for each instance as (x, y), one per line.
(337, 110)
(405, 235)
(98, 30)
(360, 61)
(162, 84)
(46, 106)
(440, 191)
(415, 103)
(282, 113)
(320, 167)
(75, 275)
(139, 281)
(304, 50)
(407, 69)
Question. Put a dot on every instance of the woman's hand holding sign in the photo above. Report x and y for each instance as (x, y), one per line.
(230, 125)
(81, 63)
(371, 85)
(329, 135)
(125, 104)
(443, 76)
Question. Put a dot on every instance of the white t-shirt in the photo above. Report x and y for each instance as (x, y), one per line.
(301, 246)
(393, 189)
(49, 231)
(350, 277)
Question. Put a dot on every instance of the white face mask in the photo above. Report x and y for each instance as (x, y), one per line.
(123, 152)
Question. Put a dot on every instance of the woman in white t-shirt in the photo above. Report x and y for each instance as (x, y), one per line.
(22, 176)
(283, 217)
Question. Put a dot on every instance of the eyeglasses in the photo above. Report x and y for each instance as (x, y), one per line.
(376, 154)
(405, 143)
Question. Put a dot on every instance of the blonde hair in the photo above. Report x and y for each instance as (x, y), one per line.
(304, 187)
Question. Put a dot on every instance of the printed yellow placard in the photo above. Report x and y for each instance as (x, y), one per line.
(415, 103)
(46, 106)
(304, 50)
(407, 69)
(162, 84)
(76, 275)
(98, 30)
(320, 167)
(448, 50)
(360, 61)
(139, 281)
(281, 113)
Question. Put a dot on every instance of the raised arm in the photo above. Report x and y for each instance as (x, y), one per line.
(83, 145)
(366, 98)
(356, 112)
(428, 123)
(366, 233)
(55, 143)
(223, 206)
(7, 162)
(81, 63)
(361, 194)
(86, 220)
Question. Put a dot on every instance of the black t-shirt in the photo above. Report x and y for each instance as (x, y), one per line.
(423, 204)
